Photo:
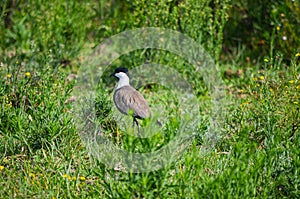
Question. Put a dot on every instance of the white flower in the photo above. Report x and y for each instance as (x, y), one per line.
(284, 38)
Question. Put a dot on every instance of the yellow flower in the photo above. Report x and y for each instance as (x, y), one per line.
(297, 54)
(8, 75)
(32, 175)
(254, 78)
(292, 81)
(295, 102)
(262, 77)
(69, 178)
(27, 74)
(266, 60)
(298, 87)
(1, 167)
(244, 103)
(65, 175)
(82, 178)
(278, 28)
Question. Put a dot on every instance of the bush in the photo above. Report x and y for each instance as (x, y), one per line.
(264, 27)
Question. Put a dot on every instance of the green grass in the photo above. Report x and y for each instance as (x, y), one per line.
(43, 156)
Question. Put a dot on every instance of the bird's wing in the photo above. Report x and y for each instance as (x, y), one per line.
(127, 98)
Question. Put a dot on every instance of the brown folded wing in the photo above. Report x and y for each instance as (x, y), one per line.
(127, 98)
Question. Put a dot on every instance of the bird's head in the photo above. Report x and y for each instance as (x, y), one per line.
(120, 72)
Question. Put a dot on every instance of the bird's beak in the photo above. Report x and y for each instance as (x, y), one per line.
(112, 75)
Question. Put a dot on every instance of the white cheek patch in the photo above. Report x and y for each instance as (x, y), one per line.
(120, 74)
(123, 79)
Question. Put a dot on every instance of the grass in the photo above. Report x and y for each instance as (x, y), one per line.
(43, 156)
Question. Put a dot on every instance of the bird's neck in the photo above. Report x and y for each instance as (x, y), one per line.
(123, 81)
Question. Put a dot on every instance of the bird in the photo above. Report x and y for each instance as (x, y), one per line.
(127, 99)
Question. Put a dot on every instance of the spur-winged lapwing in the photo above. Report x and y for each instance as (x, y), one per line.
(127, 98)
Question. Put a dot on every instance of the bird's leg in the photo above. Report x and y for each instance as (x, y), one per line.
(133, 121)
(137, 123)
